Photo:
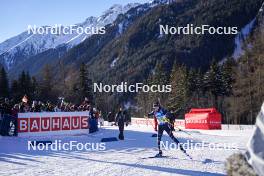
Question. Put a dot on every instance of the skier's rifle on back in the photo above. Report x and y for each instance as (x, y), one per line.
(172, 116)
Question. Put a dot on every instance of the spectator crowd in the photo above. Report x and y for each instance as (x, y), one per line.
(11, 108)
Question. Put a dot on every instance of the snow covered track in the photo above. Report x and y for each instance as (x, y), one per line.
(121, 157)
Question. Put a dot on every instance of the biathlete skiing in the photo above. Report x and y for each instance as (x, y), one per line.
(162, 119)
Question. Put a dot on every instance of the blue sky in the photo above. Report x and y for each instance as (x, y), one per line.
(16, 15)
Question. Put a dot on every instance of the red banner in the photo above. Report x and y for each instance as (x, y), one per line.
(150, 122)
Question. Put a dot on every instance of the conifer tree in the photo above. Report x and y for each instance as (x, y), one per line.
(178, 98)
(227, 77)
(22, 81)
(15, 91)
(4, 88)
(85, 84)
(213, 82)
(46, 87)
(159, 77)
(34, 88)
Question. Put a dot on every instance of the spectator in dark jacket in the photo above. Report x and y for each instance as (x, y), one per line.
(35, 107)
(15, 111)
(121, 120)
(6, 107)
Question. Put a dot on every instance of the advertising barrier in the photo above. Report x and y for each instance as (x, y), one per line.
(150, 122)
(52, 123)
(203, 119)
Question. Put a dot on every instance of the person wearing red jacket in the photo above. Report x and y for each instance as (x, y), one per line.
(155, 123)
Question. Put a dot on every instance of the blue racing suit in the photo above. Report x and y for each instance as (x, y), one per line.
(164, 125)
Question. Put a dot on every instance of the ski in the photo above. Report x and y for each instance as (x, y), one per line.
(162, 156)
(151, 157)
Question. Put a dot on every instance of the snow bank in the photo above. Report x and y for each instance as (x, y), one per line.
(121, 157)
(255, 152)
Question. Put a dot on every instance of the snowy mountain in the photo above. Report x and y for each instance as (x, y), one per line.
(72, 46)
(241, 37)
(260, 17)
(23, 46)
(140, 43)
(106, 18)
(256, 23)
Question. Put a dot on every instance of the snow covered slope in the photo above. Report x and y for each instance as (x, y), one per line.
(17, 49)
(257, 22)
(241, 37)
(121, 157)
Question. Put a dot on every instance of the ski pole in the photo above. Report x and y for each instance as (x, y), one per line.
(183, 131)
(180, 129)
